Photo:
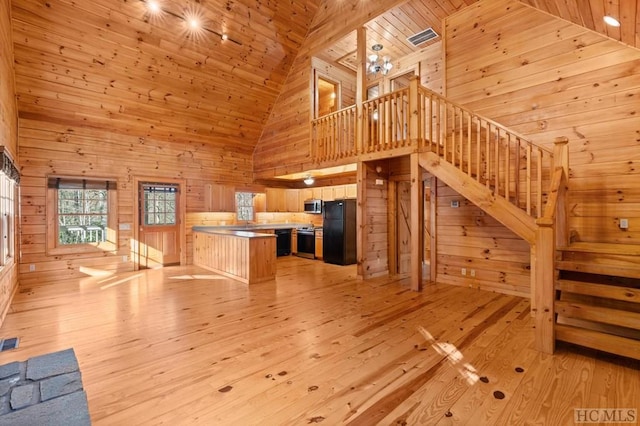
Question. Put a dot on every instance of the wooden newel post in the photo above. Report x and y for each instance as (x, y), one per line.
(544, 291)
(561, 159)
(414, 112)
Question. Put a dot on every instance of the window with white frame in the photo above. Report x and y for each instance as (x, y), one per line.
(7, 211)
(244, 205)
(9, 180)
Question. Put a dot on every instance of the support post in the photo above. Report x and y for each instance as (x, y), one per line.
(361, 218)
(542, 261)
(361, 81)
(414, 113)
(561, 159)
(417, 223)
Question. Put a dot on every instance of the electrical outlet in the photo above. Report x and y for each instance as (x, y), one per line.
(624, 223)
(464, 271)
(32, 267)
(125, 258)
(472, 272)
(455, 204)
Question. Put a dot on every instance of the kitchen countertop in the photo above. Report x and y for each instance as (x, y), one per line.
(235, 233)
(250, 227)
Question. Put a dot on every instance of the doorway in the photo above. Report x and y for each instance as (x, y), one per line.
(403, 227)
(159, 224)
(327, 96)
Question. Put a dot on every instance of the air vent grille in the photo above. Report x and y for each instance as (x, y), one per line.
(422, 36)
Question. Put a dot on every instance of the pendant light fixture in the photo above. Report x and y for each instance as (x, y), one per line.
(374, 65)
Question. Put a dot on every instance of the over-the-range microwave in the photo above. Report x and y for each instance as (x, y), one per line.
(313, 206)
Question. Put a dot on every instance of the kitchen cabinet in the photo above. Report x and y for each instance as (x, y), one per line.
(276, 201)
(294, 241)
(219, 198)
(339, 192)
(318, 243)
(351, 190)
(292, 200)
(260, 202)
(327, 193)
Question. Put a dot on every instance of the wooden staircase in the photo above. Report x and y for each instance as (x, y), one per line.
(586, 294)
(598, 297)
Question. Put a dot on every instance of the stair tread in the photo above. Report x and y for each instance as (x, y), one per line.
(609, 291)
(627, 271)
(597, 340)
(603, 248)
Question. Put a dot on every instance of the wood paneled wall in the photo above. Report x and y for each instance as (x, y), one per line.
(8, 139)
(284, 145)
(545, 77)
(375, 252)
(49, 148)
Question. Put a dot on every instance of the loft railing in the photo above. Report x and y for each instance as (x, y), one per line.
(385, 122)
(417, 118)
(334, 135)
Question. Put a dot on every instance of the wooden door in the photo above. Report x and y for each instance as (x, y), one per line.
(403, 227)
(159, 221)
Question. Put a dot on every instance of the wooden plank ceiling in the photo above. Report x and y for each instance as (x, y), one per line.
(112, 64)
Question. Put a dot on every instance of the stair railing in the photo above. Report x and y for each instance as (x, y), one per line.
(504, 161)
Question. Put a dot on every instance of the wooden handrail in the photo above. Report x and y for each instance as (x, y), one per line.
(417, 119)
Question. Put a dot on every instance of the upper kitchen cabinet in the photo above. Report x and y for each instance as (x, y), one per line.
(292, 200)
(276, 200)
(219, 198)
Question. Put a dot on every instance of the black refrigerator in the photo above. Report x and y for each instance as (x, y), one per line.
(339, 232)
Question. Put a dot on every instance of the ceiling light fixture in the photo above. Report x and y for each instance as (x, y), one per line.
(309, 180)
(192, 21)
(374, 66)
(153, 6)
(610, 20)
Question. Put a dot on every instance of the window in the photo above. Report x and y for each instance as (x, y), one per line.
(159, 204)
(7, 211)
(244, 205)
(81, 214)
(9, 180)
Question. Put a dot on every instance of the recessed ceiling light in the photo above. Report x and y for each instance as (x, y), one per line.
(153, 6)
(224, 36)
(610, 20)
(194, 24)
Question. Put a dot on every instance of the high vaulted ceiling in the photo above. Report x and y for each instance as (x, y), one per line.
(111, 64)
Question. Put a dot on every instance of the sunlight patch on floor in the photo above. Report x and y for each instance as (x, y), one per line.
(198, 277)
(454, 356)
(118, 282)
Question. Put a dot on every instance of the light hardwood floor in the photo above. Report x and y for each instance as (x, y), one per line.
(183, 346)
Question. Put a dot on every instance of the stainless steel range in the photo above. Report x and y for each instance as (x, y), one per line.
(306, 242)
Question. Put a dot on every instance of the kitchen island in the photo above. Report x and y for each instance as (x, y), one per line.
(246, 256)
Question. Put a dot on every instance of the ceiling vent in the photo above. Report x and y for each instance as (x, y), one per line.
(422, 36)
